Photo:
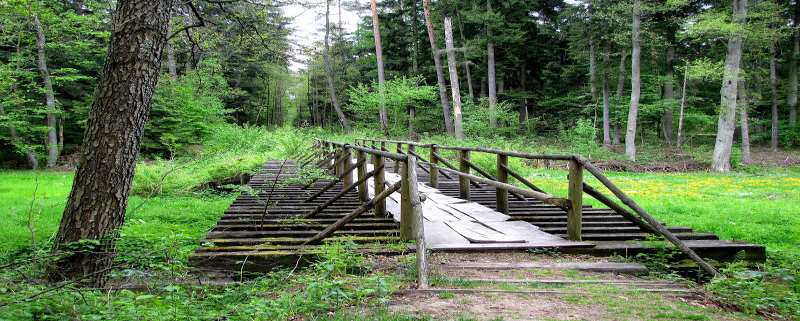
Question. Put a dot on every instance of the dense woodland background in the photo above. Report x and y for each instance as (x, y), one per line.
(558, 65)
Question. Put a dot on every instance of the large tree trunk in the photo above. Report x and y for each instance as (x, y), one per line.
(437, 62)
(52, 132)
(678, 140)
(721, 159)
(96, 206)
(630, 134)
(744, 122)
(376, 33)
(491, 75)
(326, 57)
(773, 84)
(606, 102)
(451, 64)
(669, 95)
(791, 99)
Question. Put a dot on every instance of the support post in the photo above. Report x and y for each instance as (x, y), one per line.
(463, 166)
(416, 219)
(575, 211)
(363, 192)
(346, 165)
(379, 179)
(406, 209)
(399, 150)
(434, 170)
(502, 176)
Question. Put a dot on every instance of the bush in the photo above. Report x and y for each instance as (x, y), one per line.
(581, 138)
(477, 116)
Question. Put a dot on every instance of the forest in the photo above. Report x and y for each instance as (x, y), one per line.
(123, 124)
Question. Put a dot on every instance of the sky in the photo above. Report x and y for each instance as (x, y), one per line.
(308, 25)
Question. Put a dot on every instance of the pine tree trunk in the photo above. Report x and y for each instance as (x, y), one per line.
(773, 84)
(721, 159)
(630, 134)
(744, 122)
(326, 57)
(491, 76)
(451, 64)
(171, 65)
(437, 62)
(52, 132)
(376, 33)
(669, 95)
(523, 109)
(96, 206)
(678, 140)
(606, 102)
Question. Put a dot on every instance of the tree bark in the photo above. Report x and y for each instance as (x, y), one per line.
(491, 76)
(326, 57)
(721, 159)
(669, 95)
(744, 122)
(523, 109)
(171, 64)
(376, 33)
(451, 64)
(678, 140)
(437, 62)
(52, 132)
(630, 134)
(96, 206)
(606, 103)
(773, 84)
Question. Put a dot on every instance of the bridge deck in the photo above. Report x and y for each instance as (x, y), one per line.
(266, 229)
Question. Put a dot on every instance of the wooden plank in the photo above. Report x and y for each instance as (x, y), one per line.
(605, 267)
(437, 233)
(477, 233)
(479, 212)
(434, 213)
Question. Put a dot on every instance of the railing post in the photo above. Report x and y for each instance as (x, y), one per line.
(434, 171)
(380, 206)
(502, 176)
(363, 192)
(463, 166)
(399, 150)
(406, 209)
(348, 162)
(414, 204)
(575, 213)
(337, 168)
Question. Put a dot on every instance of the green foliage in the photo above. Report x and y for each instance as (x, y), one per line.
(400, 94)
(477, 116)
(186, 110)
(775, 288)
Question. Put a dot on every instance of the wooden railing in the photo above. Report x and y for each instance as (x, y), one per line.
(573, 204)
(338, 158)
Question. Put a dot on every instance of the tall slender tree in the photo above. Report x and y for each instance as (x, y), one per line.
(773, 86)
(50, 99)
(490, 70)
(329, 76)
(636, 83)
(376, 33)
(721, 159)
(437, 62)
(451, 63)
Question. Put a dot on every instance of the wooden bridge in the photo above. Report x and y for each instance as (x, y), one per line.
(439, 198)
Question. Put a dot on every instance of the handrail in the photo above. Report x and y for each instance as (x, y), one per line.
(573, 204)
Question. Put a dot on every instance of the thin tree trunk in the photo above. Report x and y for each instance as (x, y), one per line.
(33, 162)
(721, 159)
(96, 206)
(620, 90)
(606, 102)
(523, 109)
(376, 32)
(592, 69)
(437, 62)
(326, 57)
(491, 76)
(678, 140)
(630, 135)
(773, 84)
(451, 64)
(414, 42)
(669, 95)
(52, 132)
(744, 122)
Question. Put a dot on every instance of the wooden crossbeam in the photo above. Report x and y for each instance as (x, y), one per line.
(352, 215)
(489, 176)
(619, 209)
(333, 182)
(339, 195)
(423, 161)
(450, 166)
(522, 179)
